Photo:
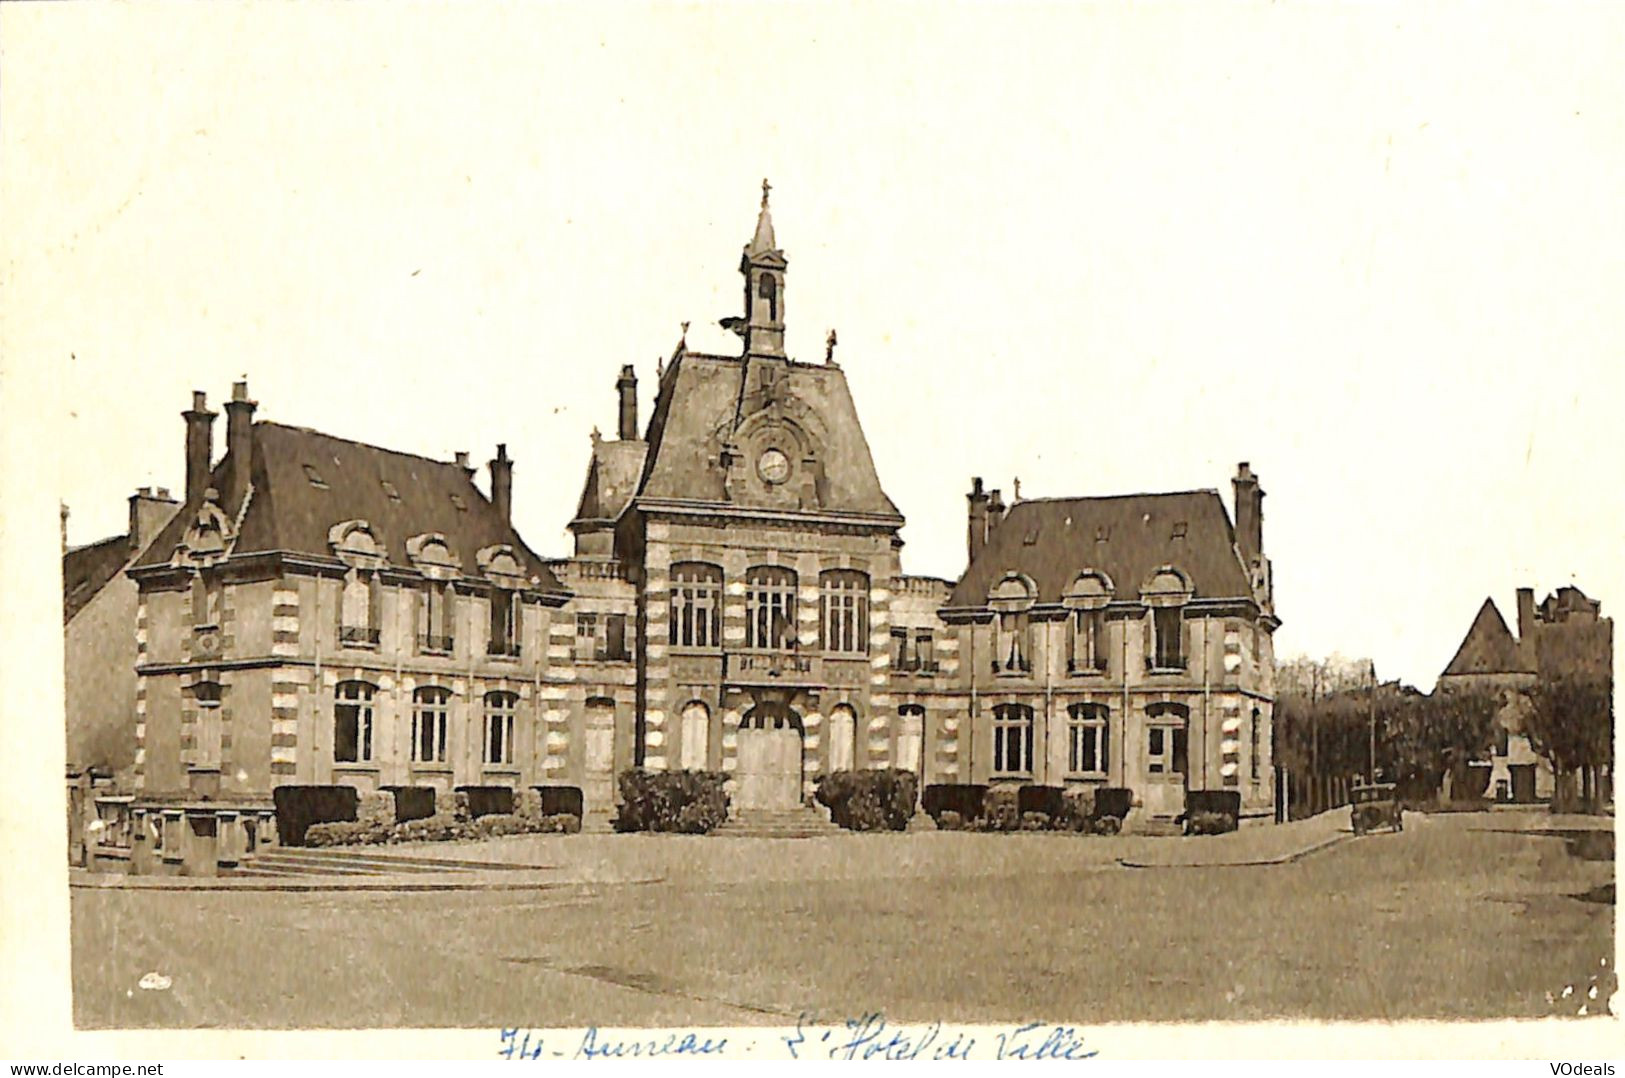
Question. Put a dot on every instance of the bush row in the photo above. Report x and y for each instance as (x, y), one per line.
(974, 807)
(441, 827)
(682, 802)
(868, 800)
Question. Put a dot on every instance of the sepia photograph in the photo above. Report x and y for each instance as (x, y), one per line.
(975, 528)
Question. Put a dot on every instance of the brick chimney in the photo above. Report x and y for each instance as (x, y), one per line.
(199, 446)
(502, 482)
(1526, 614)
(240, 440)
(995, 512)
(627, 387)
(1249, 514)
(150, 510)
(976, 525)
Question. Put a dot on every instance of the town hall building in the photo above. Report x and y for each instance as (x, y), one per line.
(319, 611)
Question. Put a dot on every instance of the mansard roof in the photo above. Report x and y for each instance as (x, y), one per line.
(1128, 538)
(700, 406)
(1489, 647)
(612, 479)
(304, 482)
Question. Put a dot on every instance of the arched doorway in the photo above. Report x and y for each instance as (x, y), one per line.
(1167, 766)
(769, 769)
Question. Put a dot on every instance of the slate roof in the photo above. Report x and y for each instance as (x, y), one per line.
(699, 397)
(612, 479)
(1128, 537)
(87, 570)
(305, 482)
(1489, 647)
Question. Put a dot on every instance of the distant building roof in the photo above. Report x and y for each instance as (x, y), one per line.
(87, 570)
(1127, 537)
(305, 482)
(1489, 647)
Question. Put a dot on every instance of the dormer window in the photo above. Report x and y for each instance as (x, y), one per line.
(1165, 595)
(359, 603)
(505, 612)
(315, 477)
(457, 500)
(389, 490)
(435, 632)
(1180, 529)
(1011, 599)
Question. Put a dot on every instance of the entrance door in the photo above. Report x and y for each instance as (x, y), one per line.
(1165, 760)
(598, 758)
(769, 771)
(1523, 782)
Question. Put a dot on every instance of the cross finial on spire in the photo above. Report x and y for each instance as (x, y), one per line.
(766, 187)
(829, 347)
(684, 341)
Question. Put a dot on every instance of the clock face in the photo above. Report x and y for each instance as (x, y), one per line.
(773, 466)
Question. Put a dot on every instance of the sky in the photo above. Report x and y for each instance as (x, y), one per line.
(1377, 252)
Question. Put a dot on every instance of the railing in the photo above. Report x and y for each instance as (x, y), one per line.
(1075, 668)
(1020, 665)
(434, 643)
(358, 636)
(793, 665)
(588, 570)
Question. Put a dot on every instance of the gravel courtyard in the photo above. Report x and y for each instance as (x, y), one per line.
(1479, 915)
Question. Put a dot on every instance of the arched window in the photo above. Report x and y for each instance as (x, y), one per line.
(843, 732)
(768, 289)
(696, 605)
(844, 619)
(352, 722)
(770, 608)
(499, 714)
(1166, 732)
(1012, 739)
(429, 707)
(1087, 739)
(696, 734)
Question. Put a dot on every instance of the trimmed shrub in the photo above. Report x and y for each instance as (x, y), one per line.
(1113, 801)
(560, 800)
(298, 807)
(568, 824)
(868, 800)
(1035, 821)
(1001, 809)
(1107, 825)
(949, 820)
(487, 800)
(441, 827)
(528, 806)
(1046, 799)
(963, 799)
(376, 809)
(1224, 802)
(346, 833)
(412, 802)
(1077, 808)
(657, 800)
(497, 824)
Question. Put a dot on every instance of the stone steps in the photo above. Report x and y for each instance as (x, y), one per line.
(301, 861)
(803, 822)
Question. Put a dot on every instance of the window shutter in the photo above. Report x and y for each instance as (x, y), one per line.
(375, 602)
(1105, 742)
(617, 636)
(1147, 631)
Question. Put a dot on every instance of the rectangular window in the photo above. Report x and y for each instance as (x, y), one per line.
(429, 706)
(505, 612)
(1257, 745)
(1012, 739)
(1168, 629)
(499, 716)
(1011, 654)
(925, 655)
(586, 636)
(1086, 746)
(900, 658)
(615, 637)
(437, 634)
(1088, 642)
(352, 722)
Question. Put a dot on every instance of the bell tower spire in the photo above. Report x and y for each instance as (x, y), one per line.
(763, 268)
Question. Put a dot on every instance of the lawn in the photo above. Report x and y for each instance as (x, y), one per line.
(1464, 916)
